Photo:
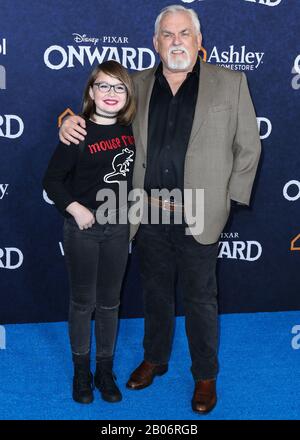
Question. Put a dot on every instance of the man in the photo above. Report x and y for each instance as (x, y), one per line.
(195, 128)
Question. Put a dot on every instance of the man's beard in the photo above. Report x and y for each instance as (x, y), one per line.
(178, 64)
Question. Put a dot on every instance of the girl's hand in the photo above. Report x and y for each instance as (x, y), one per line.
(72, 130)
(83, 217)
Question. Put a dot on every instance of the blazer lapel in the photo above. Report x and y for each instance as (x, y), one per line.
(207, 86)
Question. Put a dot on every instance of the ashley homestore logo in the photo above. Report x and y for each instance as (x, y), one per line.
(234, 58)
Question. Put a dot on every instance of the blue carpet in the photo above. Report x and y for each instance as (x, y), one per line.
(259, 373)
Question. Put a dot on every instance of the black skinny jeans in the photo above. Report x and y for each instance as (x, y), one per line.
(96, 260)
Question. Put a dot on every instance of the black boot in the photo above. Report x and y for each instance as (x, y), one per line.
(83, 384)
(105, 381)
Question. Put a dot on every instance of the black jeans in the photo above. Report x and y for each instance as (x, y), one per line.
(165, 251)
(96, 260)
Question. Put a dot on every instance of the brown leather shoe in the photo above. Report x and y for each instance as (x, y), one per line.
(205, 396)
(143, 376)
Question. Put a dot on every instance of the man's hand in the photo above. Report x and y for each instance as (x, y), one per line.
(83, 217)
(72, 130)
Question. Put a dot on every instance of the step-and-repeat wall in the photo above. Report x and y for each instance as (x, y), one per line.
(47, 50)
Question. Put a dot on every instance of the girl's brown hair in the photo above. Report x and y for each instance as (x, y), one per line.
(115, 69)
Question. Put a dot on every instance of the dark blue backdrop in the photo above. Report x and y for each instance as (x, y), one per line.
(46, 53)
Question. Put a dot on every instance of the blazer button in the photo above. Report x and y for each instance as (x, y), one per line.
(144, 165)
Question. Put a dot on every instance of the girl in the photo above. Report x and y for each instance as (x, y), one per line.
(96, 254)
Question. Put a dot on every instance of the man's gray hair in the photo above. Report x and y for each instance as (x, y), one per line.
(177, 8)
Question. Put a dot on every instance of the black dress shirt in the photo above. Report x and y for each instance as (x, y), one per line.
(169, 128)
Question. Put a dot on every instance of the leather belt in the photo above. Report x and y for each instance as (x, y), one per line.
(165, 205)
